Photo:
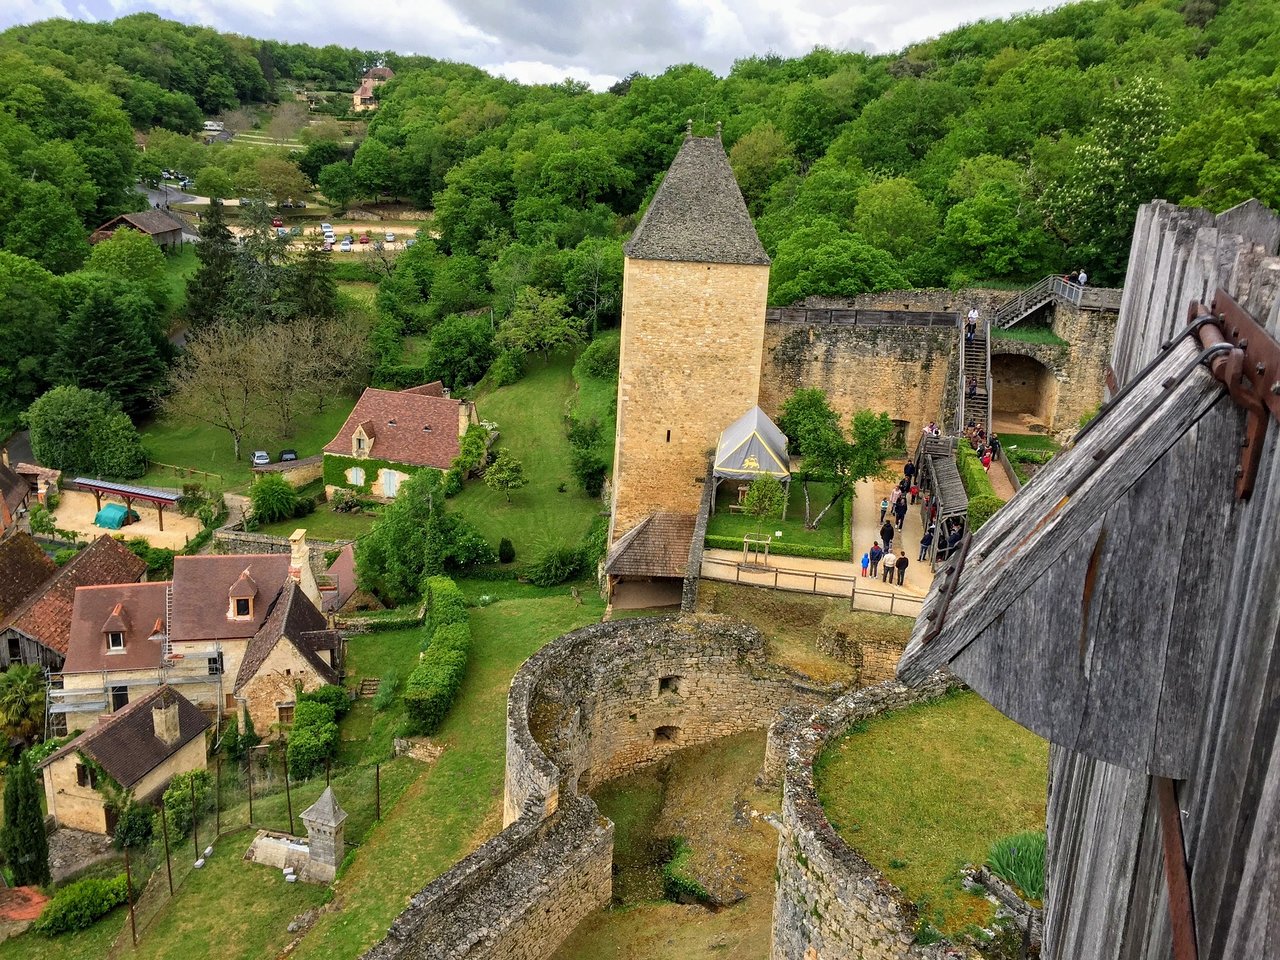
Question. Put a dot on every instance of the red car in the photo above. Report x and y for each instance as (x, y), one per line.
(364, 238)
(277, 222)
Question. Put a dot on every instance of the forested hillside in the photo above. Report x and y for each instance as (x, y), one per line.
(997, 152)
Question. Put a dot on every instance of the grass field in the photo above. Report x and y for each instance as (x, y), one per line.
(829, 533)
(1028, 333)
(530, 418)
(456, 803)
(201, 446)
(923, 791)
(1035, 444)
(178, 267)
(324, 524)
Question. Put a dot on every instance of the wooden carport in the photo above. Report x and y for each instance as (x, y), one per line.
(149, 495)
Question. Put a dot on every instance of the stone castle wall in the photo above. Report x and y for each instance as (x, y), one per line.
(689, 366)
(589, 706)
(830, 903)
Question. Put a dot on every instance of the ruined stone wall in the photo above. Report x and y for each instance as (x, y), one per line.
(1082, 382)
(830, 903)
(583, 709)
(689, 366)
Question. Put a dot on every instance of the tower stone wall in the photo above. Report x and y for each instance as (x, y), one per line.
(692, 338)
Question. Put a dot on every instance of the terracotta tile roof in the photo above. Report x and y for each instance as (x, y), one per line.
(343, 571)
(295, 620)
(125, 743)
(134, 609)
(658, 546)
(46, 615)
(698, 213)
(23, 567)
(397, 421)
(202, 588)
(150, 222)
(433, 389)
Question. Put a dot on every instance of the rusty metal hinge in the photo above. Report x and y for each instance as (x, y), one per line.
(1177, 874)
(1247, 361)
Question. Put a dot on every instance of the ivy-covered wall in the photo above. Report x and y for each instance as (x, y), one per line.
(336, 466)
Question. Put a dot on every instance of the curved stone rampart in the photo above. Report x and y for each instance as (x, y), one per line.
(589, 706)
(830, 903)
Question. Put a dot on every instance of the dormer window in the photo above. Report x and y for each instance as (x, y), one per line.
(244, 607)
(359, 443)
(115, 640)
(241, 596)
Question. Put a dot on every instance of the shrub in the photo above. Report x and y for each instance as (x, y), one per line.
(78, 905)
(600, 358)
(330, 694)
(432, 687)
(64, 556)
(555, 565)
(232, 745)
(386, 694)
(975, 479)
(589, 469)
(981, 509)
(506, 370)
(311, 713)
(177, 800)
(311, 746)
(506, 551)
(678, 885)
(452, 482)
(133, 828)
(584, 433)
(273, 498)
(1019, 860)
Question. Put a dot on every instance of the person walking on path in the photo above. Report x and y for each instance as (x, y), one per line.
(1083, 279)
(866, 562)
(915, 494)
(909, 471)
(900, 512)
(971, 324)
(884, 507)
(925, 543)
(894, 496)
(886, 534)
(902, 568)
(986, 460)
(890, 558)
(875, 553)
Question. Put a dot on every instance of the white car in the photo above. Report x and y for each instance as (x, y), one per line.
(391, 237)
(326, 228)
(345, 247)
(261, 458)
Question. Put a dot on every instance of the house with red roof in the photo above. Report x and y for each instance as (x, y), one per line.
(364, 99)
(392, 434)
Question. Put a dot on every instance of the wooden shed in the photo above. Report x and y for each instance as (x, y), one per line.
(1124, 606)
(160, 225)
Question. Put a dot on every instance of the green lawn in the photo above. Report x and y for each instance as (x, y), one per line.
(530, 418)
(923, 791)
(388, 654)
(324, 524)
(1028, 333)
(829, 533)
(457, 802)
(178, 267)
(1027, 451)
(91, 944)
(203, 447)
(364, 292)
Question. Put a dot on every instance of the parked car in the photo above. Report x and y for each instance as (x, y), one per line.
(287, 455)
(345, 246)
(326, 228)
(261, 457)
(391, 237)
(364, 238)
(299, 204)
(281, 232)
(328, 245)
(277, 222)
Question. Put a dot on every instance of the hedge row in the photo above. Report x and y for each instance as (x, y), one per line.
(983, 501)
(433, 685)
(79, 905)
(778, 548)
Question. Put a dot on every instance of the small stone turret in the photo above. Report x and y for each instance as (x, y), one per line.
(324, 821)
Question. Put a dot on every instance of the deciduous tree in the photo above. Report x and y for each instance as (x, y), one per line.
(506, 473)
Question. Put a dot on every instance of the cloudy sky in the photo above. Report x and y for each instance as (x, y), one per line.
(547, 40)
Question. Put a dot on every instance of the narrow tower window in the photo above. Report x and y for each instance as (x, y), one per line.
(668, 436)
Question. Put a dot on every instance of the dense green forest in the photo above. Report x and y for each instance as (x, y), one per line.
(1000, 151)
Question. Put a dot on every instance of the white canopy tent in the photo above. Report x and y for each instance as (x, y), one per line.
(749, 447)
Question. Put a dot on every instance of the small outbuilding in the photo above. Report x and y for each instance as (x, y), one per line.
(160, 225)
(750, 447)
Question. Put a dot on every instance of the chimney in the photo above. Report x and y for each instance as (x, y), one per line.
(719, 128)
(300, 566)
(688, 128)
(165, 720)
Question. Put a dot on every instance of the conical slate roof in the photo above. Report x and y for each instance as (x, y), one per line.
(325, 811)
(750, 446)
(698, 214)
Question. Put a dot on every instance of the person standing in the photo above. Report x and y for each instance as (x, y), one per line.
(909, 471)
(995, 447)
(901, 564)
(900, 512)
(866, 562)
(925, 543)
(1084, 278)
(890, 559)
(915, 494)
(986, 460)
(886, 534)
(894, 496)
(875, 553)
(884, 507)
(971, 391)
(971, 324)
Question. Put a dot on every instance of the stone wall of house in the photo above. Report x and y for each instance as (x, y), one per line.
(589, 706)
(68, 803)
(830, 902)
(275, 683)
(689, 366)
(233, 539)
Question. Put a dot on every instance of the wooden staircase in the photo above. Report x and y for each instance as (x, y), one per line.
(1053, 288)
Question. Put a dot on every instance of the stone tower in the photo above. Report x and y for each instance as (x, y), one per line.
(695, 284)
(324, 821)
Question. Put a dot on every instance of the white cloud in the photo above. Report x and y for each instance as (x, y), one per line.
(535, 71)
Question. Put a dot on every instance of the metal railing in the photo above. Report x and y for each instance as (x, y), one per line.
(1050, 288)
(813, 582)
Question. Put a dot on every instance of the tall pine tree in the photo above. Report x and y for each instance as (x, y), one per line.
(22, 840)
(209, 289)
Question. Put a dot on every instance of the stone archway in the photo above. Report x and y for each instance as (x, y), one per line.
(1024, 394)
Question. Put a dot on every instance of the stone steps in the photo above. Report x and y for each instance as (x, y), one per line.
(369, 686)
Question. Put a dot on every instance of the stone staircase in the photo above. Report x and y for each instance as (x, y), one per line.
(368, 686)
(975, 363)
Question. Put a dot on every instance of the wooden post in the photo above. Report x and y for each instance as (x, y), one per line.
(326, 771)
(160, 508)
(128, 886)
(288, 797)
(168, 863)
(248, 772)
(195, 831)
(217, 801)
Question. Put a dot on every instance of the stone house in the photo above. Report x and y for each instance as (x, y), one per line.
(141, 748)
(363, 99)
(15, 494)
(162, 227)
(38, 630)
(394, 433)
(214, 632)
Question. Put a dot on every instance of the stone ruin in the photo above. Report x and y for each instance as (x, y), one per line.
(314, 859)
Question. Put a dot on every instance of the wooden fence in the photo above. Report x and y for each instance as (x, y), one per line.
(814, 582)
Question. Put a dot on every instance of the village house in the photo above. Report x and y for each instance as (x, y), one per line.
(38, 629)
(160, 225)
(363, 99)
(23, 568)
(141, 748)
(232, 632)
(394, 433)
(15, 494)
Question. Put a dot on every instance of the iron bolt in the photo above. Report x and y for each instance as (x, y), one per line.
(1275, 388)
(1261, 368)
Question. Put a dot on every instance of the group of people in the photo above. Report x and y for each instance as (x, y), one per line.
(1077, 276)
(987, 448)
(881, 560)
